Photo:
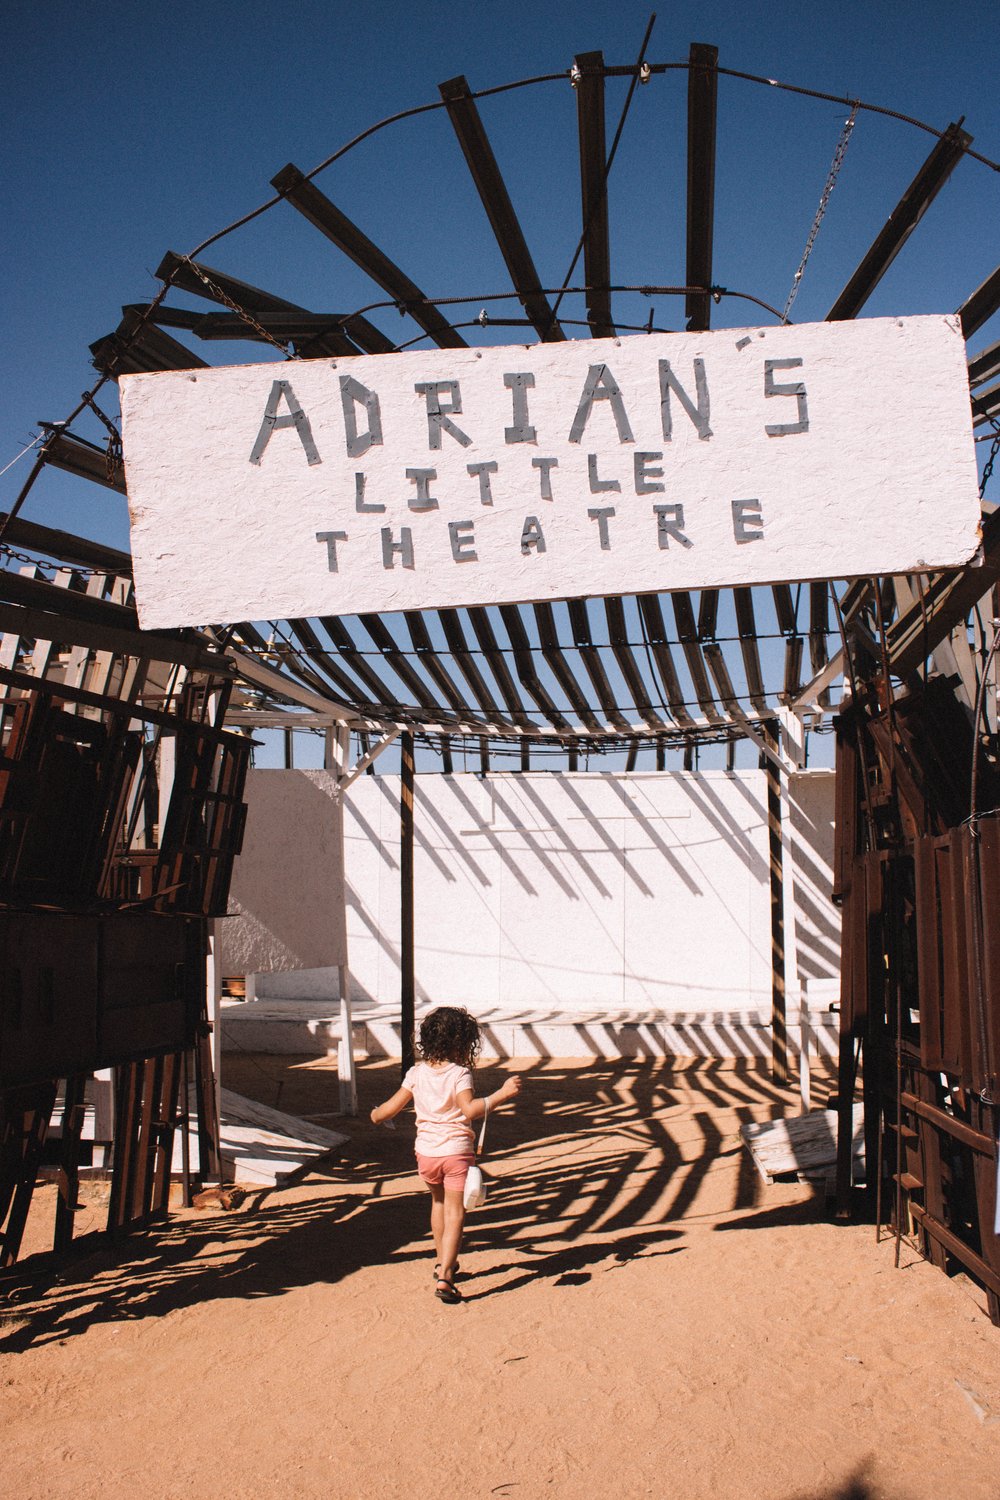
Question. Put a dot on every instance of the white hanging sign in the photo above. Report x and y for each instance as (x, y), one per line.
(439, 478)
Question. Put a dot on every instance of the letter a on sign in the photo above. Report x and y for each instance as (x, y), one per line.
(294, 417)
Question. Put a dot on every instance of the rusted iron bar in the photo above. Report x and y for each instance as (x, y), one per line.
(687, 634)
(466, 663)
(652, 617)
(905, 217)
(948, 1240)
(703, 84)
(468, 126)
(952, 1126)
(594, 192)
(552, 652)
(304, 196)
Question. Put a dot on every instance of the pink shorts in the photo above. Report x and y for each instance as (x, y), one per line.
(449, 1170)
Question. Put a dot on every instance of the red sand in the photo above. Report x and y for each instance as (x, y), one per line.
(642, 1316)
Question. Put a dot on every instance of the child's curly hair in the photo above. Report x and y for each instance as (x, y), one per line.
(450, 1034)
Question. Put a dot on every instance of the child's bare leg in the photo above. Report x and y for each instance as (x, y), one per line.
(437, 1216)
(453, 1211)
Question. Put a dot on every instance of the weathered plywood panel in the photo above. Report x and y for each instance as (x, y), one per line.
(449, 477)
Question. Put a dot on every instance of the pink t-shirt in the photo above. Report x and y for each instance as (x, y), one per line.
(442, 1129)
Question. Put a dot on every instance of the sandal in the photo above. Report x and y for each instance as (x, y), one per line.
(446, 1292)
(436, 1273)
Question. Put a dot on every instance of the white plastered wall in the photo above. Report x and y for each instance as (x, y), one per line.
(555, 891)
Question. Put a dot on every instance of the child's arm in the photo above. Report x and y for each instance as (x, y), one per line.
(382, 1113)
(474, 1109)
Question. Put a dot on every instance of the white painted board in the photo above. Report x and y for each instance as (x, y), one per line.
(438, 478)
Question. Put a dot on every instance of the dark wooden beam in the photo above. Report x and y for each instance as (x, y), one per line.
(485, 635)
(86, 460)
(139, 346)
(656, 633)
(985, 365)
(746, 626)
(944, 604)
(182, 274)
(590, 655)
(62, 545)
(492, 190)
(701, 125)
(306, 197)
(615, 610)
(466, 663)
(980, 307)
(594, 192)
(432, 664)
(552, 651)
(901, 223)
(524, 662)
(688, 636)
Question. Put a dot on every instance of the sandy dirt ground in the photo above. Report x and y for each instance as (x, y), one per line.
(642, 1316)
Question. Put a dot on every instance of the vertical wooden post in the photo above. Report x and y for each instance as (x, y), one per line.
(779, 1029)
(407, 992)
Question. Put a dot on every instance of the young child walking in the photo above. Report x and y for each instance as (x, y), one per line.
(443, 1096)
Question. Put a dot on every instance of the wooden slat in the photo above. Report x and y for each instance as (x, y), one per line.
(483, 630)
(701, 125)
(466, 663)
(353, 660)
(594, 194)
(492, 189)
(652, 615)
(137, 346)
(64, 546)
(985, 365)
(583, 640)
(306, 197)
(397, 659)
(901, 223)
(688, 636)
(86, 460)
(264, 305)
(746, 625)
(615, 610)
(560, 668)
(981, 305)
(436, 670)
(524, 662)
(321, 658)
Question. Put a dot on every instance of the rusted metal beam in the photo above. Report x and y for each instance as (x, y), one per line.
(746, 625)
(484, 633)
(306, 197)
(905, 217)
(944, 603)
(594, 192)
(478, 153)
(466, 663)
(688, 635)
(701, 127)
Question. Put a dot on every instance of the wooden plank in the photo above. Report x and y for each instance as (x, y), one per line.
(980, 306)
(492, 190)
(594, 192)
(701, 128)
(905, 217)
(801, 1142)
(304, 196)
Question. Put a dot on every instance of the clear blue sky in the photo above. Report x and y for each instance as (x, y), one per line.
(132, 129)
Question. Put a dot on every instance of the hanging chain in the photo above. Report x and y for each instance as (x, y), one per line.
(988, 466)
(113, 457)
(241, 312)
(11, 554)
(831, 182)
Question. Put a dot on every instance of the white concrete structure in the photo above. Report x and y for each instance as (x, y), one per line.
(578, 912)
